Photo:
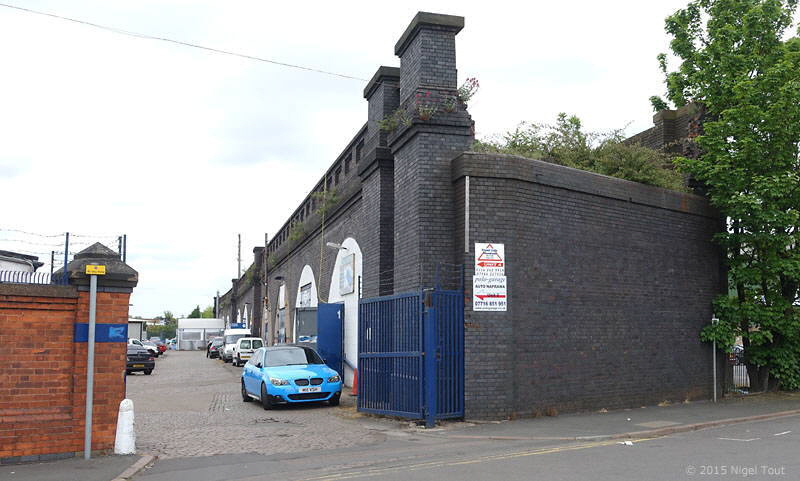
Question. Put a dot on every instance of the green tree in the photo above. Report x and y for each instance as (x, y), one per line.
(736, 65)
(567, 143)
(208, 312)
(195, 314)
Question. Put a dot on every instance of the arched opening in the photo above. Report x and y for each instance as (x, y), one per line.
(346, 288)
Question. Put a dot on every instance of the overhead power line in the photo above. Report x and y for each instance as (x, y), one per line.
(179, 42)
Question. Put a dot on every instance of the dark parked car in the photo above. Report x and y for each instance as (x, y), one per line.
(213, 348)
(139, 359)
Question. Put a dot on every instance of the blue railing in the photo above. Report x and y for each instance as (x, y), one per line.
(23, 277)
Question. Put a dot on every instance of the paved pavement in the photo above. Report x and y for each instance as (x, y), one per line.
(99, 468)
(192, 406)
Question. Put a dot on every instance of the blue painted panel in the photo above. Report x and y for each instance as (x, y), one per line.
(102, 332)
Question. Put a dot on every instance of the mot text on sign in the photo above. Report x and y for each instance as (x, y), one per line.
(489, 292)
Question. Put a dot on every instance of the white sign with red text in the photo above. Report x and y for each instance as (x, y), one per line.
(490, 259)
(489, 293)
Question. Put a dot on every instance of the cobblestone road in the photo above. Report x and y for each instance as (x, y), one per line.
(191, 406)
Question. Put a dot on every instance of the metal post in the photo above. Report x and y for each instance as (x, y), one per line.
(714, 359)
(52, 262)
(87, 435)
(66, 258)
(124, 247)
(466, 214)
(431, 347)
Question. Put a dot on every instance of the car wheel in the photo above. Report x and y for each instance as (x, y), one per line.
(239, 362)
(245, 397)
(334, 401)
(148, 372)
(266, 403)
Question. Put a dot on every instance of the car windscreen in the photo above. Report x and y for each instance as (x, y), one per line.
(232, 338)
(257, 343)
(216, 342)
(245, 344)
(292, 356)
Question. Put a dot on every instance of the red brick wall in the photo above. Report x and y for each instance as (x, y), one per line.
(43, 372)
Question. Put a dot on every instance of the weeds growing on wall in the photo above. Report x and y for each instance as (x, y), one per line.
(297, 231)
(566, 143)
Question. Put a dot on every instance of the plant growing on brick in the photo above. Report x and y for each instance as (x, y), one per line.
(325, 200)
(736, 64)
(450, 103)
(468, 89)
(566, 143)
(425, 106)
(296, 232)
(398, 118)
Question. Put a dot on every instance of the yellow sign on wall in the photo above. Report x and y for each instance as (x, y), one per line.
(95, 270)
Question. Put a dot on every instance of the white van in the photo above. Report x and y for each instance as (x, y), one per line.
(243, 349)
(231, 336)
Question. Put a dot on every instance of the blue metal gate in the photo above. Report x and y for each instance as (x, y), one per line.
(411, 355)
(330, 319)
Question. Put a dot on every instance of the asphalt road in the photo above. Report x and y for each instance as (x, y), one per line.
(754, 450)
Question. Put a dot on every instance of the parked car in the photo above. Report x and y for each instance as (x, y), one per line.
(152, 348)
(289, 374)
(139, 359)
(244, 348)
(161, 345)
(214, 347)
(231, 336)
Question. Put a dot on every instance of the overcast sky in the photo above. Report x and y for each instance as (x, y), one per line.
(181, 149)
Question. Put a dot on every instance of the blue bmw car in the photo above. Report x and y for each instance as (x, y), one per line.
(289, 374)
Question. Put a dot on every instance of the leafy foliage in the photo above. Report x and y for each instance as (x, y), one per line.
(399, 117)
(566, 143)
(325, 200)
(195, 314)
(736, 65)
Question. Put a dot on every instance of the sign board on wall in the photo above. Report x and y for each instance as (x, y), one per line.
(347, 274)
(490, 259)
(489, 290)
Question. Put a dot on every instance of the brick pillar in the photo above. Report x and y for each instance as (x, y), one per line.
(376, 168)
(113, 297)
(423, 189)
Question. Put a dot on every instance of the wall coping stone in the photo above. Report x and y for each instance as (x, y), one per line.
(426, 18)
(505, 166)
(38, 290)
(118, 274)
(382, 74)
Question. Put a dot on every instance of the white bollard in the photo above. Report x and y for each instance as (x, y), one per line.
(125, 442)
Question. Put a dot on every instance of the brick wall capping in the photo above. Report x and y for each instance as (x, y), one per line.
(668, 114)
(118, 273)
(383, 74)
(505, 166)
(422, 19)
(452, 126)
(38, 290)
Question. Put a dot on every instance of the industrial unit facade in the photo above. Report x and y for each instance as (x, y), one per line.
(607, 282)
